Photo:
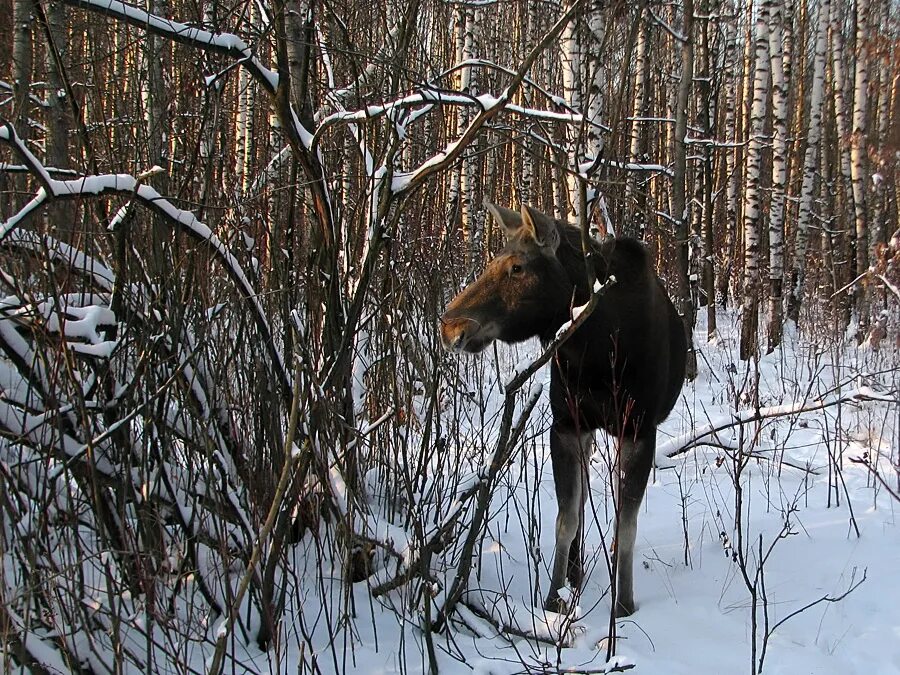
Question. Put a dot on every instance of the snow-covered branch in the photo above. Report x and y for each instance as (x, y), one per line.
(222, 43)
(185, 221)
(707, 434)
(407, 182)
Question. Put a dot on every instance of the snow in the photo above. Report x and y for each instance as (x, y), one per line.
(694, 610)
(695, 617)
(182, 32)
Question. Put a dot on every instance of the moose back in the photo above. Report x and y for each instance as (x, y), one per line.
(621, 371)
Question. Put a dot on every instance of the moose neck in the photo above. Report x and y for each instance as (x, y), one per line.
(571, 257)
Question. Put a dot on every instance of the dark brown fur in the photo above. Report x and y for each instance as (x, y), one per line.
(621, 371)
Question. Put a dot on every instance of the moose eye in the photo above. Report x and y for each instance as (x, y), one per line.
(515, 268)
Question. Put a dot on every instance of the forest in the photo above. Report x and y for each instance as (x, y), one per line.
(230, 437)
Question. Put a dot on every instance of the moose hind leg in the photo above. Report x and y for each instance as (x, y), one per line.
(635, 460)
(568, 451)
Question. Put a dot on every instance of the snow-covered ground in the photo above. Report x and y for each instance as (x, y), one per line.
(826, 600)
(820, 521)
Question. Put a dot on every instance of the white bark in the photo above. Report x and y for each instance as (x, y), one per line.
(752, 198)
(731, 177)
(779, 175)
(471, 212)
(858, 148)
(840, 86)
(877, 226)
(813, 136)
(638, 110)
(572, 78)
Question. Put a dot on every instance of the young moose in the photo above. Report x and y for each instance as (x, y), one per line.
(621, 371)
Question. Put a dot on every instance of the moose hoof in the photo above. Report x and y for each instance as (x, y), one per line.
(624, 609)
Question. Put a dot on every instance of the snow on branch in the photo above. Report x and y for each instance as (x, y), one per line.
(405, 183)
(187, 222)
(707, 433)
(222, 43)
(428, 96)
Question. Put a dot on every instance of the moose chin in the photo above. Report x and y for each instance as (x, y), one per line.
(620, 371)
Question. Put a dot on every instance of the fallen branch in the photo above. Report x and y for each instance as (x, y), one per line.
(707, 434)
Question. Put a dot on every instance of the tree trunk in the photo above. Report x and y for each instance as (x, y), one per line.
(706, 112)
(779, 178)
(59, 114)
(471, 214)
(635, 198)
(752, 195)
(572, 79)
(859, 157)
(807, 190)
(23, 57)
(732, 175)
(679, 197)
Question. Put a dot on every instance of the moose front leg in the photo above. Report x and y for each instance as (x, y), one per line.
(569, 454)
(635, 460)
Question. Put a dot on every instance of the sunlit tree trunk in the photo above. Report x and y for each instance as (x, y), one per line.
(571, 58)
(807, 190)
(752, 196)
(779, 177)
(679, 196)
(840, 238)
(877, 226)
(635, 199)
(706, 112)
(858, 155)
(471, 214)
(594, 63)
(732, 175)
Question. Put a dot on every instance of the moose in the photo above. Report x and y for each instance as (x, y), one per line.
(620, 371)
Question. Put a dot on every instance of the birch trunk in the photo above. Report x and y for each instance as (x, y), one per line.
(457, 121)
(858, 155)
(572, 77)
(840, 107)
(707, 109)
(807, 189)
(779, 177)
(59, 113)
(732, 177)
(472, 217)
(752, 195)
(635, 203)
(877, 226)
(594, 60)
(679, 197)
(842, 261)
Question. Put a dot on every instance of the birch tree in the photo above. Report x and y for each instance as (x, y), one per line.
(779, 176)
(752, 196)
(680, 212)
(807, 189)
(572, 71)
(858, 153)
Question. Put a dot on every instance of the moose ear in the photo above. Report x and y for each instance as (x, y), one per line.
(508, 219)
(541, 227)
